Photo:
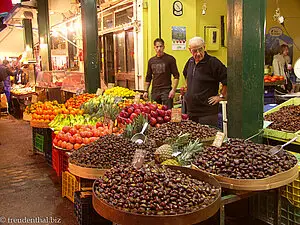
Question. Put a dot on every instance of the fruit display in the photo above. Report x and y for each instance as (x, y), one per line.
(241, 159)
(93, 105)
(135, 127)
(154, 190)
(173, 129)
(109, 151)
(74, 137)
(128, 101)
(286, 118)
(46, 112)
(120, 92)
(21, 90)
(63, 120)
(272, 79)
(156, 114)
(78, 100)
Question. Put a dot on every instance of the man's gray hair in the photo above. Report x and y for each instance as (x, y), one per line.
(199, 41)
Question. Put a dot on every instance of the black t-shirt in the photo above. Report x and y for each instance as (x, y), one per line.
(203, 82)
(160, 70)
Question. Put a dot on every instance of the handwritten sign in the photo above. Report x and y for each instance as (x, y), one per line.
(137, 98)
(34, 99)
(219, 139)
(138, 158)
(99, 91)
(176, 115)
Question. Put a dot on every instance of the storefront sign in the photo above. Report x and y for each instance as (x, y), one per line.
(178, 38)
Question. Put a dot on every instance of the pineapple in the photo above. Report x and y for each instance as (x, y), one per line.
(163, 153)
(189, 152)
(171, 162)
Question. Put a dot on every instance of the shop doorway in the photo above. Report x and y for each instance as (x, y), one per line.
(109, 67)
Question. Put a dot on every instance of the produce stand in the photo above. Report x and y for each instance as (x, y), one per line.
(283, 136)
(124, 218)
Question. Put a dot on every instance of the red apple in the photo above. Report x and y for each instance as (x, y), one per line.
(137, 111)
(160, 119)
(130, 110)
(132, 116)
(161, 112)
(128, 121)
(184, 116)
(154, 114)
(119, 119)
(135, 105)
(126, 115)
(153, 107)
(167, 119)
(164, 107)
(147, 109)
(152, 122)
(99, 124)
(168, 112)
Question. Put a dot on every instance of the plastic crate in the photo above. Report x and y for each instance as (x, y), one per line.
(263, 208)
(59, 161)
(72, 183)
(84, 210)
(42, 141)
(269, 106)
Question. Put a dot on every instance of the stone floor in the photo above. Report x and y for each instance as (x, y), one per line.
(30, 188)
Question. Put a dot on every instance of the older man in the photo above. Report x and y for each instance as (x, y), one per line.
(203, 74)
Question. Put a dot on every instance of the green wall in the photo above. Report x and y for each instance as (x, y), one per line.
(192, 19)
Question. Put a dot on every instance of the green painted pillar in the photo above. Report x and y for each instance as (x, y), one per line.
(44, 34)
(90, 45)
(246, 47)
(28, 36)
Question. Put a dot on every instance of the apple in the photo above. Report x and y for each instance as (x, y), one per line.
(147, 109)
(99, 124)
(153, 121)
(154, 114)
(141, 105)
(168, 112)
(119, 119)
(130, 110)
(160, 120)
(137, 111)
(161, 112)
(132, 116)
(153, 107)
(135, 106)
(167, 118)
(149, 117)
(128, 121)
(126, 115)
(184, 116)
(164, 107)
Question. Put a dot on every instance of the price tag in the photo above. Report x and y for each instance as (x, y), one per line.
(137, 98)
(176, 115)
(138, 158)
(34, 99)
(219, 139)
(110, 126)
(99, 91)
(266, 124)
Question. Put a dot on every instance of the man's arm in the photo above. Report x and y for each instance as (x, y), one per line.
(148, 80)
(173, 91)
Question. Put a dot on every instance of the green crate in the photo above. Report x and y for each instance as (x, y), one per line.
(281, 135)
(39, 142)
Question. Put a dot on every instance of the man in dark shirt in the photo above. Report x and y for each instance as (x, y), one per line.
(203, 74)
(5, 73)
(160, 68)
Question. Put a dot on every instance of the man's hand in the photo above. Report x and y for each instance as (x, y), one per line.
(214, 100)
(171, 94)
(145, 95)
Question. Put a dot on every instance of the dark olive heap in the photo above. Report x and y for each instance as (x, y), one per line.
(153, 190)
(243, 160)
(173, 129)
(286, 118)
(109, 151)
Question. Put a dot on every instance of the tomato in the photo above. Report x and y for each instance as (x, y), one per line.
(77, 146)
(64, 144)
(273, 79)
(69, 146)
(281, 77)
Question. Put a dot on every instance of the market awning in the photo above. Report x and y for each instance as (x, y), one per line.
(12, 41)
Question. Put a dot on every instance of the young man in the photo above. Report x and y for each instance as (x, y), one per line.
(203, 74)
(160, 69)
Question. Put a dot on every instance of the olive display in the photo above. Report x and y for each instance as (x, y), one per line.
(154, 190)
(173, 129)
(109, 151)
(241, 159)
(286, 118)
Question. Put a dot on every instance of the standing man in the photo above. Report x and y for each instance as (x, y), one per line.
(5, 73)
(203, 74)
(160, 69)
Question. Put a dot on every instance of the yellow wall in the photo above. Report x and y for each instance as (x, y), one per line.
(191, 19)
(290, 9)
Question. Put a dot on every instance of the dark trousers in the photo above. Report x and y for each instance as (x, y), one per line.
(211, 120)
(162, 97)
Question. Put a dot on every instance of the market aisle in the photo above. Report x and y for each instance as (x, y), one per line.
(28, 186)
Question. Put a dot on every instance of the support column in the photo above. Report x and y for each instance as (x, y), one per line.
(246, 38)
(90, 45)
(28, 44)
(44, 34)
